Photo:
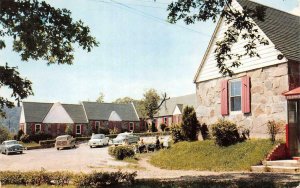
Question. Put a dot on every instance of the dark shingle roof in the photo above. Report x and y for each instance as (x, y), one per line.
(282, 28)
(36, 112)
(102, 111)
(76, 112)
(168, 107)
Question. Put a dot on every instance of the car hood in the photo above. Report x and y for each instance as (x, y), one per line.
(118, 139)
(14, 145)
(96, 139)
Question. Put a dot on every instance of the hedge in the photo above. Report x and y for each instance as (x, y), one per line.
(95, 179)
(121, 152)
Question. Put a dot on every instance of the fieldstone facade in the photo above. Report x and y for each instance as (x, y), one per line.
(267, 101)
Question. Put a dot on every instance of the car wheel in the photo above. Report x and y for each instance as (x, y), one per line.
(57, 149)
(91, 146)
(74, 146)
(21, 152)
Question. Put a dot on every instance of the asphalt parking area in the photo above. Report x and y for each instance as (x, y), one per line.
(82, 158)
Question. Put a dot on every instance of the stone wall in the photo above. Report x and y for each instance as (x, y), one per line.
(267, 101)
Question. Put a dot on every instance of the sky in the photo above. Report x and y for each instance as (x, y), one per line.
(138, 50)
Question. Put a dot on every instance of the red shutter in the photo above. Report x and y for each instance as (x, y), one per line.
(246, 105)
(32, 128)
(224, 98)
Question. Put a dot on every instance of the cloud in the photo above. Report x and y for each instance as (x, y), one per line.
(296, 10)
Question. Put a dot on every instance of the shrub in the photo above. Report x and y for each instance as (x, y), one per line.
(19, 134)
(69, 130)
(25, 138)
(102, 179)
(121, 152)
(225, 132)
(103, 131)
(190, 125)
(176, 133)
(4, 134)
(163, 127)
(274, 128)
(40, 136)
(82, 139)
(204, 131)
(47, 143)
(153, 127)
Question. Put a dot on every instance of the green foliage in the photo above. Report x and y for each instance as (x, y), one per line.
(47, 33)
(176, 133)
(190, 125)
(37, 178)
(103, 131)
(103, 179)
(225, 132)
(274, 128)
(150, 102)
(208, 156)
(4, 134)
(25, 138)
(69, 130)
(124, 100)
(163, 127)
(153, 127)
(40, 136)
(100, 99)
(240, 26)
(204, 132)
(47, 143)
(19, 134)
(121, 152)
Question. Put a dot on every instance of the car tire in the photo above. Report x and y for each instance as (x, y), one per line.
(57, 149)
(21, 152)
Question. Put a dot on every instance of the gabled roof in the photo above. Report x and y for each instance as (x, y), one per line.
(36, 112)
(168, 107)
(282, 28)
(76, 112)
(295, 91)
(102, 111)
(58, 114)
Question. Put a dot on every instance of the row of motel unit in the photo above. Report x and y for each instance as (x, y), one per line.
(53, 118)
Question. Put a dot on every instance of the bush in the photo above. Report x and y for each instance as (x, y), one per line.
(162, 127)
(25, 138)
(103, 131)
(190, 125)
(19, 134)
(121, 152)
(4, 134)
(274, 128)
(69, 130)
(47, 143)
(153, 127)
(225, 132)
(204, 131)
(176, 133)
(82, 139)
(102, 179)
(40, 136)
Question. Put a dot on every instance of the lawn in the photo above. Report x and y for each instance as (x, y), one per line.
(205, 155)
(31, 144)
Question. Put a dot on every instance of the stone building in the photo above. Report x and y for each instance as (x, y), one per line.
(254, 94)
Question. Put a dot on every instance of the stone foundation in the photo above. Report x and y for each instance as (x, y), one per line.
(267, 101)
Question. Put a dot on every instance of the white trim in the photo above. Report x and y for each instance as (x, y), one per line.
(229, 95)
(87, 119)
(79, 129)
(35, 125)
(135, 110)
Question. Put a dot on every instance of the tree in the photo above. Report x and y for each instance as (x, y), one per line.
(190, 125)
(69, 130)
(124, 100)
(39, 31)
(100, 99)
(151, 103)
(240, 26)
(4, 134)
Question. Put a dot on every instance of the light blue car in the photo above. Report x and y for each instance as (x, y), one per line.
(123, 137)
(11, 146)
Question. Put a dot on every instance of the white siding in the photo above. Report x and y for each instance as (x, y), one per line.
(57, 114)
(176, 111)
(268, 54)
(22, 117)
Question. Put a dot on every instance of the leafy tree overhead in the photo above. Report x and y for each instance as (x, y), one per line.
(100, 99)
(4, 134)
(124, 100)
(39, 31)
(239, 22)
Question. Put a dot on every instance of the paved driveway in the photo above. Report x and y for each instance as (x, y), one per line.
(82, 159)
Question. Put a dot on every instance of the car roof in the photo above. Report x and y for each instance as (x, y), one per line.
(98, 134)
(9, 140)
(63, 136)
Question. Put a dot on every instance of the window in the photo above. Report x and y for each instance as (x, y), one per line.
(131, 126)
(78, 129)
(97, 125)
(37, 128)
(235, 95)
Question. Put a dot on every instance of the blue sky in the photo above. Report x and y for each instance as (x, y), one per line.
(137, 51)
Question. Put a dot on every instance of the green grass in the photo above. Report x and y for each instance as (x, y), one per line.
(31, 144)
(205, 155)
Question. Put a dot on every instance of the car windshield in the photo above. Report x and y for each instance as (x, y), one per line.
(62, 138)
(121, 136)
(98, 136)
(11, 142)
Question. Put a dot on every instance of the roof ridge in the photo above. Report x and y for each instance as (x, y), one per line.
(38, 102)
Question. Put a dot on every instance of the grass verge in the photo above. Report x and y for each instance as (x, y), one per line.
(205, 155)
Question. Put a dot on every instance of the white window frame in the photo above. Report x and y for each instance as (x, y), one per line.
(35, 128)
(131, 124)
(78, 125)
(97, 125)
(229, 96)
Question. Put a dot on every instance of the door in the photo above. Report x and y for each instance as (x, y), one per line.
(294, 127)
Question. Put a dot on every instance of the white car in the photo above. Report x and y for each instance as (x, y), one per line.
(98, 140)
(122, 137)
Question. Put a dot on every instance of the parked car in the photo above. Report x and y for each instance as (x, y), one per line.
(98, 140)
(123, 137)
(11, 146)
(64, 141)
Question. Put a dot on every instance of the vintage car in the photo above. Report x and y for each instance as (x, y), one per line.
(98, 140)
(125, 137)
(64, 141)
(11, 146)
